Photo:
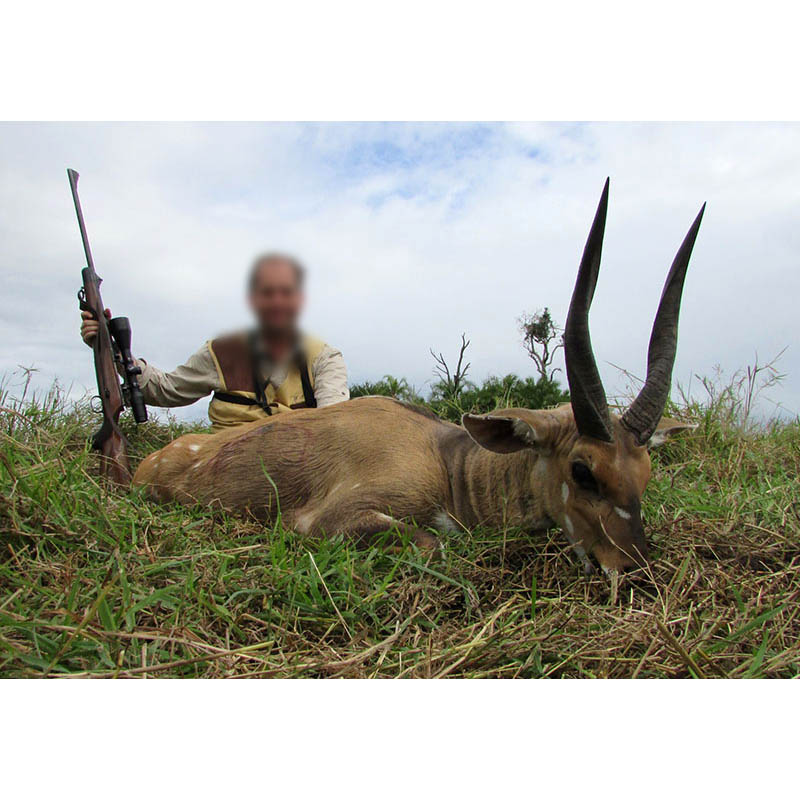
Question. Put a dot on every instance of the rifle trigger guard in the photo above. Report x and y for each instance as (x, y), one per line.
(84, 306)
(93, 404)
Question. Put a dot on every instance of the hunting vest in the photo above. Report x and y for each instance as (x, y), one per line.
(245, 395)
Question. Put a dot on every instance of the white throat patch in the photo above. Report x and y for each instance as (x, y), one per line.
(442, 521)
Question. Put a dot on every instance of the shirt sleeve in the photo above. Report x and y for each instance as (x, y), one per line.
(330, 378)
(196, 378)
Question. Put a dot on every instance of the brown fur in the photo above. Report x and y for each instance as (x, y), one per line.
(374, 464)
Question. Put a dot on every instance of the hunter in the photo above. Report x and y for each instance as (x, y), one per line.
(270, 369)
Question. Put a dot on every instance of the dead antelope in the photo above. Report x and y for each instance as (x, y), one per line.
(373, 464)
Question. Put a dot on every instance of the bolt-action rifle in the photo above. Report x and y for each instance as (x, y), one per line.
(112, 348)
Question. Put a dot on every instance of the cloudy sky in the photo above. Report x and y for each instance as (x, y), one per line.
(413, 233)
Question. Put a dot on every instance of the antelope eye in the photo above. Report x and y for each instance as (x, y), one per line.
(582, 475)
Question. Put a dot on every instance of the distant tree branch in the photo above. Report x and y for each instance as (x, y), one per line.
(453, 382)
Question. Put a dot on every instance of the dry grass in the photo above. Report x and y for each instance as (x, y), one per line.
(98, 583)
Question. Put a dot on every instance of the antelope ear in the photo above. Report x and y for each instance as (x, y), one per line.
(509, 430)
(666, 429)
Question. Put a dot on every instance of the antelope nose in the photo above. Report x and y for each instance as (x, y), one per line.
(632, 567)
(638, 559)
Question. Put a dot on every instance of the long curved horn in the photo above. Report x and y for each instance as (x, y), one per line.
(586, 389)
(644, 414)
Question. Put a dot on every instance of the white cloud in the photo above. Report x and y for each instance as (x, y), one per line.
(413, 234)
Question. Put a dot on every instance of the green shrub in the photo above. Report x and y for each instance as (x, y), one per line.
(494, 392)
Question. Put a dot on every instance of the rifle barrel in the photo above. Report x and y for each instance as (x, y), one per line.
(73, 185)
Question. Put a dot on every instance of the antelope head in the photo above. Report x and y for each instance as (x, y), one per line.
(592, 466)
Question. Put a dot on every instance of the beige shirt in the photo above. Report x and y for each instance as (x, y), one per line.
(198, 377)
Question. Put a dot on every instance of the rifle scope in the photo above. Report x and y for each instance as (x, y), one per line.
(120, 329)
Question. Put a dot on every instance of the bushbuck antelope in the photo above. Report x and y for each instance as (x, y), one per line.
(373, 464)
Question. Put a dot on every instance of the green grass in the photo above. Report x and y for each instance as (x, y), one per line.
(97, 582)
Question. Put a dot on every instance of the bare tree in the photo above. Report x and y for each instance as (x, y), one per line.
(452, 382)
(542, 339)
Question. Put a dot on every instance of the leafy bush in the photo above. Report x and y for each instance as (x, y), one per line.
(508, 391)
(388, 386)
(494, 392)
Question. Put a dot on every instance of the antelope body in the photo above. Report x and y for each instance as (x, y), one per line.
(374, 464)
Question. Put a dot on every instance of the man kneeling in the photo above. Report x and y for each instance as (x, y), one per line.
(253, 374)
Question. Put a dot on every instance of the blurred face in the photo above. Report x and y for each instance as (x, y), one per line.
(276, 299)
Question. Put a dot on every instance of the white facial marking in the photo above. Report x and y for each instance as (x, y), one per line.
(621, 512)
(568, 523)
(564, 492)
(611, 572)
(194, 447)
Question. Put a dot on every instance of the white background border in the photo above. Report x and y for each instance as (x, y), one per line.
(346, 60)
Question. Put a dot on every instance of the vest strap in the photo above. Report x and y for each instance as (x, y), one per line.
(308, 390)
(258, 381)
(237, 399)
(301, 361)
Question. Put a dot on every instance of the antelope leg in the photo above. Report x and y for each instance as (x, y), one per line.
(365, 527)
